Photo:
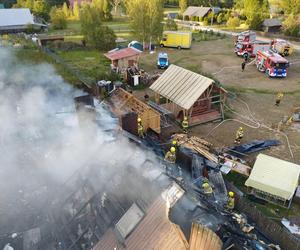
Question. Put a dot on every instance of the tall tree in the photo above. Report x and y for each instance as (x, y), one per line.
(95, 34)
(58, 18)
(76, 10)
(182, 5)
(290, 6)
(256, 11)
(66, 10)
(41, 9)
(146, 18)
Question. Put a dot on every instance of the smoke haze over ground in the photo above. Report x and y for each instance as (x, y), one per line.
(42, 141)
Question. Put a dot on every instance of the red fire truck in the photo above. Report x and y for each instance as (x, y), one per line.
(273, 64)
(246, 36)
(249, 49)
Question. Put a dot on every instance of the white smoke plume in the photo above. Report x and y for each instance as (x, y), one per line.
(42, 142)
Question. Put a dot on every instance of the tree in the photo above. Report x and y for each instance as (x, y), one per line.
(220, 18)
(290, 6)
(116, 5)
(182, 5)
(41, 9)
(256, 11)
(233, 22)
(95, 34)
(146, 18)
(76, 10)
(66, 10)
(58, 18)
(104, 8)
(292, 25)
(171, 25)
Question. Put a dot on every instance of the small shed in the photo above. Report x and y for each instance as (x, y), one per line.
(121, 59)
(172, 15)
(274, 180)
(186, 93)
(272, 25)
(195, 11)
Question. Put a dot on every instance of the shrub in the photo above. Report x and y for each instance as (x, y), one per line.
(171, 25)
(58, 18)
(233, 22)
(291, 25)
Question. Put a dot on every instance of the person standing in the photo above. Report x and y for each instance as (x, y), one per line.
(239, 135)
(140, 128)
(279, 97)
(185, 125)
(243, 66)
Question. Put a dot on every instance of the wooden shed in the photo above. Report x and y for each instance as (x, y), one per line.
(124, 103)
(186, 93)
(121, 59)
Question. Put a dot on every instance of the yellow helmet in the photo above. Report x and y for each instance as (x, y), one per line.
(185, 118)
(139, 119)
(173, 149)
(231, 194)
(241, 128)
(174, 142)
(205, 185)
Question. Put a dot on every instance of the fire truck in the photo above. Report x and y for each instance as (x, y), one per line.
(246, 36)
(249, 49)
(282, 47)
(271, 63)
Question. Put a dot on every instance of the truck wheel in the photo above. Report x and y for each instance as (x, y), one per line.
(179, 47)
(161, 45)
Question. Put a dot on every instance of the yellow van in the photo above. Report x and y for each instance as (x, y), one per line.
(176, 39)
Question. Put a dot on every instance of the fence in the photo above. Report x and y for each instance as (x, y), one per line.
(271, 229)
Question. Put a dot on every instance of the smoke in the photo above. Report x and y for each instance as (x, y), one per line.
(43, 141)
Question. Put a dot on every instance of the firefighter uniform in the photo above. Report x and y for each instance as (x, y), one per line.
(207, 189)
(231, 201)
(140, 128)
(171, 155)
(279, 97)
(185, 124)
(239, 135)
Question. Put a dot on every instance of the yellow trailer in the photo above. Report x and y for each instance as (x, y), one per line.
(176, 39)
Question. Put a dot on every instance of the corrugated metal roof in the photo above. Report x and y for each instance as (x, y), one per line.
(271, 22)
(14, 17)
(122, 53)
(274, 176)
(155, 231)
(181, 86)
(196, 11)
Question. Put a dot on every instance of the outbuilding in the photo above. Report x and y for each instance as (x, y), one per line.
(186, 93)
(195, 11)
(272, 25)
(16, 20)
(121, 59)
(274, 180)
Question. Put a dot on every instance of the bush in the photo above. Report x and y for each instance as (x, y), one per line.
(220, 18)
(205, 21)
(291, 25)
(58, 18)
(171, 25)
(233, 22)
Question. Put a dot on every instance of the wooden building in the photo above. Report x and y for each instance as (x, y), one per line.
(272, 25)
(186, 93)
(121, 59)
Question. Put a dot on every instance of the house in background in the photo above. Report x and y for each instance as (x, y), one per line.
(271, 25)
(172, 15)
(186, 93)
(194, 11)
(17, 20)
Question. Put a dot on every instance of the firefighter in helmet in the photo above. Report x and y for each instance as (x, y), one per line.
(175, 143)
(239, 135)
(279, 97)
(185, 125)
(231, 201)
(140, 128)
(171, 155)
(207, 189)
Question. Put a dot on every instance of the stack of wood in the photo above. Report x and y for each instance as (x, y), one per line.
(204, 148)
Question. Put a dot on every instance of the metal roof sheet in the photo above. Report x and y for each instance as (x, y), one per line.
(196, 11)
(181, 86)
(122, 53)
(271, 22)
(14, 17)
(274, 176)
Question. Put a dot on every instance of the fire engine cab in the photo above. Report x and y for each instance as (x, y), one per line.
(282, 47)
(246, 36)
(273, 64)
(249, 49)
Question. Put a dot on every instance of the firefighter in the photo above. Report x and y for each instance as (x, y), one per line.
(140, 128)
(185, 124)
(171, 155)
(174, 143)
(239, 135)
(207, 189)
(231, 201)
(243, 65)
(279, 97)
